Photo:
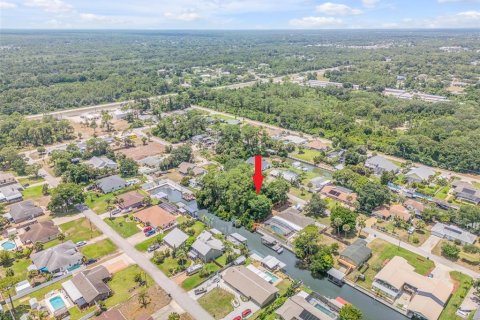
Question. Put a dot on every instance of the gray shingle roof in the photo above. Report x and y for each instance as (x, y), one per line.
(357, 252)
(60, 256)
(25, 210)
(111, 183)
(206, 242)
(422, 172)
(175, 238)
(90, 283)
(382, 163)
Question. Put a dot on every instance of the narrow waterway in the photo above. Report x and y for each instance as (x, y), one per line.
(372, 310)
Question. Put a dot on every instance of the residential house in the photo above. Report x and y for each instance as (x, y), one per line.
(265, 164)
(319, 182)
(40, 232)
(317, 145)
(185, 167)
(59, 258)
(250, 285)
(414, 206)
(206, 247)
(355, 255)
(111, 184)
(466, 192)
(156, 217)
(287, 175)
(88, 287)
(380, 164)
(294, 139)
(25, 210)
(101, 163)
(341, 194)
(428, 296)
(395, 210)
(309, 307)
(130, 200)
(453, 233)
(175, 238)
(420, 174)
(272, 263)
(11, 193)
(6, 178)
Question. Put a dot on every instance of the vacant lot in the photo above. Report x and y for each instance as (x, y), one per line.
(99, 249)
(194, 280)
(217, 302)
(462, 284)
(80, 229)
(141, 151)
(468, 260)
(123, 225)
(32, 193)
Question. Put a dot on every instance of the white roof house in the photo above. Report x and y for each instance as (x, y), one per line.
(419, 174)
(175, 238)
(207, 247)
(272, 263)
(379, 164)
(101, 163)
(452, 232)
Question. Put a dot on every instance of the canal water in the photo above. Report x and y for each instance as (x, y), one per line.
(371, 309)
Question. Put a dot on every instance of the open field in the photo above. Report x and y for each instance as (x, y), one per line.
(99, 249)
(141, 151)
(123, 226)
(217, 302)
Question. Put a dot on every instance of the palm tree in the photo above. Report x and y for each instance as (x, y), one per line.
(38, 246)
(61, 237)
(346, 229)
(181, 256)
(143, 298)
(337, 222)
(362, 223)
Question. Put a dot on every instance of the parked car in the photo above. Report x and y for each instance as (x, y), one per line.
(149, 233)
(127, 210)
(246, 313)
(153, 247)
(81, 243)
(90, 261)
(115, 211)
(200, 291)
(237, 318)
(411, 230)
(146, 229)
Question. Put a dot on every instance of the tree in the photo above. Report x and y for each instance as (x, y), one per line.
(372, 195)
(5, 258)
(128, 167)
(341, 216)
(38, 246)
(361, 222)
(450, 251)
(316, 206)
(173, 316)
(420, 224)
(34, 170)
(277, 191)
(45, 190)
(65, 196)
(106, 118)
(61, 237)
(322, 261)
(350, 312)
(306, 243)
(143, 298)
(144, 140)
(346, 229)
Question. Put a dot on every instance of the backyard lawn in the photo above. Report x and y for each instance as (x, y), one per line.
(307, 155)
(78, 230)
(123, 226)
(143, 246)
(217, 302)
(283, 286)
(170, 266)
(99, 249)
(32, 192)
(383, 251)
(19, 267)
(194, 280)
(29, 180)
(463, 283)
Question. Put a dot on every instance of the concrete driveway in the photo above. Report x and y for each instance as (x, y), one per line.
(430, 243)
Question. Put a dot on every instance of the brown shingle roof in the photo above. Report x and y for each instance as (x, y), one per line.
(113, 314)
(90, 283)
(130, 199)
(38, 232)
(155, 216)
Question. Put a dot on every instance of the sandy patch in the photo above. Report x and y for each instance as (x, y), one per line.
(141, 151)
(156, 297)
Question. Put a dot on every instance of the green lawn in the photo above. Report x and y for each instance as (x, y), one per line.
(29, 180)
(143, 246)
(78, 230)
(19, 267)
(125, 228)
(32, 193)
(283, 286)
(121, 284)
(307, 155)
(217, 302)
(170, 265)
(99, 249)
(194, 280)
(442, 193)
(464, 284)
(98, 201)
(305, 195)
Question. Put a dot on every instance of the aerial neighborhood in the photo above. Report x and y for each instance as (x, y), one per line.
(237, 191)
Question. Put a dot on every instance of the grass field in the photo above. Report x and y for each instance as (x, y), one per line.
(283, 286)
(99, 249)
(122, 226)
(217, 302)
(29, 180)
(170, 265)
(307, 155)
(78, 230)
(32, 193)
(121, 284)
(463, 284)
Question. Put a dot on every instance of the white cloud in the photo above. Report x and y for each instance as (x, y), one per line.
(315, 22)
(100, 18)
(184, 16)
(337, 9)
(55, 6)
(7, 5)
(370, 3)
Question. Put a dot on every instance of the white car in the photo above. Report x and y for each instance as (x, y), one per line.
(81, 243)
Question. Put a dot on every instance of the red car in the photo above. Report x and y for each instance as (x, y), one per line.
(146, 229)
(246, 313)
(237, 318)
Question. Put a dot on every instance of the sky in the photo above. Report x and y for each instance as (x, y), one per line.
(238, 14)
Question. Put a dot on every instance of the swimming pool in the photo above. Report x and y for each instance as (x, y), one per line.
(57, 303)
(9, 245)
(325, 310)
(271, 275)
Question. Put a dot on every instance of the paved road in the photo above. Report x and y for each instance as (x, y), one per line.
(438, 260)
(52, 181)
(180, 296)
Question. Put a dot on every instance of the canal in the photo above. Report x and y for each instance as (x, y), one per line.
(371, 309)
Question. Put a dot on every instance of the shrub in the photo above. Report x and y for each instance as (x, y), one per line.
(450, 251)
(415, 240)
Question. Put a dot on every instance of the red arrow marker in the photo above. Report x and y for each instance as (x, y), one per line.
(257, 176)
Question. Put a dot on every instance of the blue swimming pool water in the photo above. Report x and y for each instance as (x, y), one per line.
(271, 275)
(277, 229)
(325, 310)
(57, 303)
(9, 245)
